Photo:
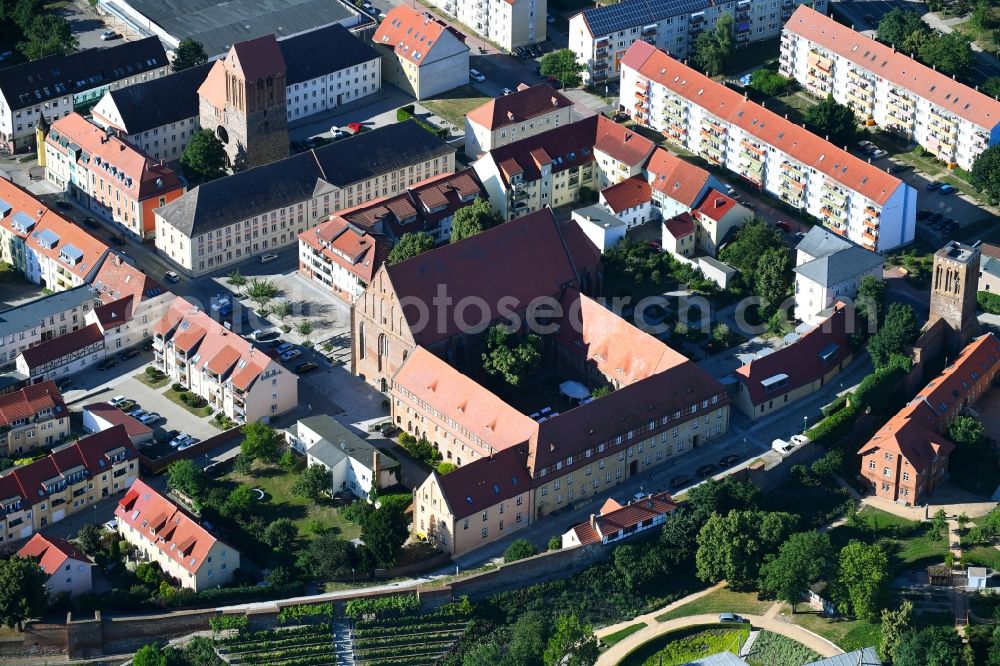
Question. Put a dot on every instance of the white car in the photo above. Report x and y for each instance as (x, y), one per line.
(800, 440)
(152, 417)
(117, 400)
(267, 258)
(476, 75)
(108, 35)
(111, 525)
(264, 334)
(291, 354)
(180, 439)
(368, 7)
(506, 91)
(187, 444)
(172, 276)
(220, 303)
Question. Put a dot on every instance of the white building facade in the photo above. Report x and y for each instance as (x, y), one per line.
(509, 23)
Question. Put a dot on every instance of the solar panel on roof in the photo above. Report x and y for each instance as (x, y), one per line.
(4, 208)
(74, 254)
(22, 222)
(46, 237)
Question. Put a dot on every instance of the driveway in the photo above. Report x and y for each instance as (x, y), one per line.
(174, 416)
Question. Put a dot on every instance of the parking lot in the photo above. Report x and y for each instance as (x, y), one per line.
(175, 417)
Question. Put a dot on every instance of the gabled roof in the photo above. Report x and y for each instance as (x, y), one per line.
(164, 526)
(801, 362)
(350, 247)
(51, 552)
(322, 51)
(338, 442)
(616, 517)
(524, 104)
(894, 66)
(715, 205)
(820, 242)
(764, 125)
(22, 317)
(680, 225)
(114, 314)
(115, 416)
(118, 279)
(412, 34)
(257, 58)
(30, 400)
(676, 178)
(607, 19)
(568, 146)
(833, 269)
(541, 257)
(63, 345)
(31, 83)
(629, 193)
(161, 101)
(477, 486)
(621, 143)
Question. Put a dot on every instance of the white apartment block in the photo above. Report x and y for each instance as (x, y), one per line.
(600, 36)
(952, 121)
(508, 23)
(828, 268)
(849, 196)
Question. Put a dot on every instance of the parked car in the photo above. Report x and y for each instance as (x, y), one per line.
(303, 368)
(476, 75)
(117, 400)
(152, 417)
(679, 481)
(800, 440)
(107, 363)
(263, 335)
(172, 277)
(187, 445)
(284, 346)
(291, 355)
(934, 218)
(536, 50)
(137, 413)
(731, 617)
(621, 117)
(129, 353)
(783, 225)
(91, 222)
(368, 7)
(179, 439)
(108, 35)
(728, 461)
(879, 154)
(705, 470)
(63, 204)
(947, 189)
(220, 302)
(267, 258)
(118, 239)
(934, 185)
(506, 91)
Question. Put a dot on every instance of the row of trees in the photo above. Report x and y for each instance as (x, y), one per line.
(36, 32)
(906, 30)
(759, 253)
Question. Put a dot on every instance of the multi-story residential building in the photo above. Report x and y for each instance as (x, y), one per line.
(551, 256)
(65, 482)
(829, 268)
(43, 319)
(775, 380)
(62, 356)
(508, 118)
(131, 303)
(164, 534)
(907, 459)
(989, 272)
(422, 56)
(600, 36)
(849, 196)
(952, 121)
(507, 23)
(46, 248)
(344, 252)
(549, 169)
(158, 117)
(615, 521)
(108, 175)
(234, 377)
(224, 221)
(32, 418)
(54, 86)
(69, 570)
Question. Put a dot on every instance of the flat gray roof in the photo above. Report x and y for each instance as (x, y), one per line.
(29, 315)
(218, 25)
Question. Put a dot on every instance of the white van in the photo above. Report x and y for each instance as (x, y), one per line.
(781, 446)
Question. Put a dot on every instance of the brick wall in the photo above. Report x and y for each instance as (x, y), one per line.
(159, 465)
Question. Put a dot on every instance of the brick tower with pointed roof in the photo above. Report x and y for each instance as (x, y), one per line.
(243, 102)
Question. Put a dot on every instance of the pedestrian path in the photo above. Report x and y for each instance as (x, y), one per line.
(343, 642)
(748, 646)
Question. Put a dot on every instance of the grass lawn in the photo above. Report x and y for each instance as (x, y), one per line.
(720, 601)
(772, 649)
(281, 503)
(984, 556)
(909, 542)
(681, 647)
(846, 634)
(151, 383)
(455, 104)
(176, 397)
(622, 634)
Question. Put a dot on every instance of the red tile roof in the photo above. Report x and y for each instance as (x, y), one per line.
(164, 526)
(562, 148)
(766, 126)
(51, 552)
(477, 486)
(525, 104)
(911, 433)
(27, 402)
(412, 33)
(114, 314)
(257, 58)
(629, 193)
(676, 178)
(715, 205)
(802, 362)
(895, 67)
(348, 246)
(118, 279)
(610, 520)
(681, 225)
(621, 143)
(115, 416)
(63, 345)
(22, 201)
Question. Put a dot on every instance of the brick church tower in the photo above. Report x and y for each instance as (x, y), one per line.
(954, 281)
(242, 101)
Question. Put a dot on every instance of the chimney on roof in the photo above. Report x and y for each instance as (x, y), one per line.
(510, 115)
(628, 135)
(376, 467)
(827, 137)
(555, 101)
(952, 77)
(593, 521)
(786, 116)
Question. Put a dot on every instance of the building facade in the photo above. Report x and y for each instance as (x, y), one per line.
(32, 418)
(41, 320)
(952, 121)
(829, 268)
(108, 176)
(210, 360)
(224, 221)
(421, 55)
(508, 118)
(507, 23)
(855, 199)
(55, 86)
(164, 534)
(954, 282)
(130, 304)
(989, 269)
(63, 356)
(615, 521)
(69, 570)
(600, 36)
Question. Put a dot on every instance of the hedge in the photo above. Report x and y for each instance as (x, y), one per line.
(834, 426)
(267, 634)
(395, 604)
(223, 622)
(296, 613)
(220, 595)
(988, 302)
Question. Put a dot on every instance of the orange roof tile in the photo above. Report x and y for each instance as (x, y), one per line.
(52, 552)
(676, 178)
(629, 193)
(524, 104)
(411, 33)
(117, 279)
(30, 400)
(715, 205)
(621, 143)
(681, 225)
(213, 89)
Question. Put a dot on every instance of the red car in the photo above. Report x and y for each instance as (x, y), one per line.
(784, 226)
(355, 127)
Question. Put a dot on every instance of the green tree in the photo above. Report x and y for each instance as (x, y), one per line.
(189, 53)
(733, 546)
(991, 87)
(572, 643)
(509, 356)
(863, 571)
(288, 461)
(768, 82)
(721, 333)
(748, 246)
(518, 550)
(985, 175)
(805, 558)
(894, 623)
(243, 464)
(555, 542)
(204, 158)
(22, 590)
(148, 573)
(637, 567)
(834, 120)
(473, 219)
(931, 646)
(281, 309)
(90, 539)
(149, 655)
(312, 482)
(236, 279)
(281, 535)
(260, 441)
(444, 468)
(304, 328)
(963, 520)
(261, 291)
(871, 299)
(529, 637)
(895, 26)
(824, 468)
(563, 66)
(966, 431)
(185, 476)
(238, 503)
(47, 34)
(981, 17)
(721, 496)
(714, 49)
(410, 245)
(384, 531)
(950, 54)
(774, 277)
(939, 525)
(898, 331)
(327, 557)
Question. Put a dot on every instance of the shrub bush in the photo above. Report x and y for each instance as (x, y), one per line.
(833, 427)
(402, 114)
(395, 604)
(988, 302)
(177, 387)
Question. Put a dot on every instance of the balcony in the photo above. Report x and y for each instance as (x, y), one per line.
(820, 62)
(869, 237)
(600, 53)
(758, 151)
(871, 212)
